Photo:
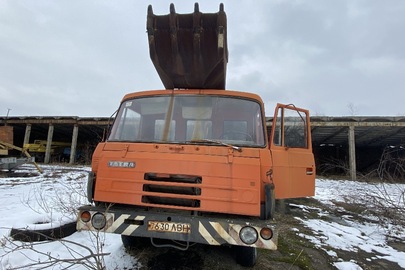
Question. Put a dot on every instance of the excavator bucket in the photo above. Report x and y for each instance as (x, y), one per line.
(189, 50)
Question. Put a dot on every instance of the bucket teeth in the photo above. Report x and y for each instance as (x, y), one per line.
(189, 51)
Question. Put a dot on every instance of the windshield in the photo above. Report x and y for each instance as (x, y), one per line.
(190, 119)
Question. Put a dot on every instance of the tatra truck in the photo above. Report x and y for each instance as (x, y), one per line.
(195, 163)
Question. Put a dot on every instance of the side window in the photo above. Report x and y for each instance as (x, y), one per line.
(290, 128)
(295, 127)
(278, 128)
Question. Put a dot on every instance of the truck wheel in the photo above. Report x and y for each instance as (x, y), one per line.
(133, 241)
(245, 256)
(36, 235)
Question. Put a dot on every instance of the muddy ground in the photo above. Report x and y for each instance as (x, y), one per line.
(294, 252)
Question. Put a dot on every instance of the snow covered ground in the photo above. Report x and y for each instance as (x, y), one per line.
(368, 233)
(32, 200)
(51, 199)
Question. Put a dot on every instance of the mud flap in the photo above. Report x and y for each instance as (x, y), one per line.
(91, 181)
(268, 207)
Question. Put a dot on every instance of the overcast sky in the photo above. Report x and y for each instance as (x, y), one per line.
(78, 58)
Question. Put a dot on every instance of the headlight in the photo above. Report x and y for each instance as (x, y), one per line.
(248, 235)
(98, 221)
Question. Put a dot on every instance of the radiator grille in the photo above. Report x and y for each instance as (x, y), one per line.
(172, 184)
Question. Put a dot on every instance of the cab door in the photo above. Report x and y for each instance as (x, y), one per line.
(293, 165)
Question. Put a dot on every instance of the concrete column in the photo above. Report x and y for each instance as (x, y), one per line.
(352, 153)
(74, 144)
(48, 144)
(27, 134)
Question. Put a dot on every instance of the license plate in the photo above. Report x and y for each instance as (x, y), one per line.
(163, 226)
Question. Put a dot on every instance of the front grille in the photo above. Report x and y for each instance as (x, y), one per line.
(171, 201)
(172, 190)
(172, 184)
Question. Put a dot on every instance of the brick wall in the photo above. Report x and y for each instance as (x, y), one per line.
(6, 134)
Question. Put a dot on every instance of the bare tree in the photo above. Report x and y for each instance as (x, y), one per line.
(79, 254)
(60, 198)
(392, 164)
(353, 111)
(386, 199)
(334, 166)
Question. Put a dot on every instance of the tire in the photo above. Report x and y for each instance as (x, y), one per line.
(245, 256)
(27, 235)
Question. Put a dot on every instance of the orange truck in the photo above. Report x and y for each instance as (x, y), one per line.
(195, 163)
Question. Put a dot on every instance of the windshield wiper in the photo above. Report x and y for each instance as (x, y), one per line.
(239, 149)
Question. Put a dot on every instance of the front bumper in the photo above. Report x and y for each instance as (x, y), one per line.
(214, 230)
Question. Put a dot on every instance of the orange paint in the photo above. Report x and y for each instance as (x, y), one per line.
(212, 177)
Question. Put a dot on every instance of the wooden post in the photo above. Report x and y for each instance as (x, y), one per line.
(27, 134)
(352, 153)
(49, 144)
(74, 144)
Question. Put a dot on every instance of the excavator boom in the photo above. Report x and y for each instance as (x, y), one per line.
(189, 51)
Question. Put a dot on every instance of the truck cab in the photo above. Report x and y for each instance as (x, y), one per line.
(193, 150)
